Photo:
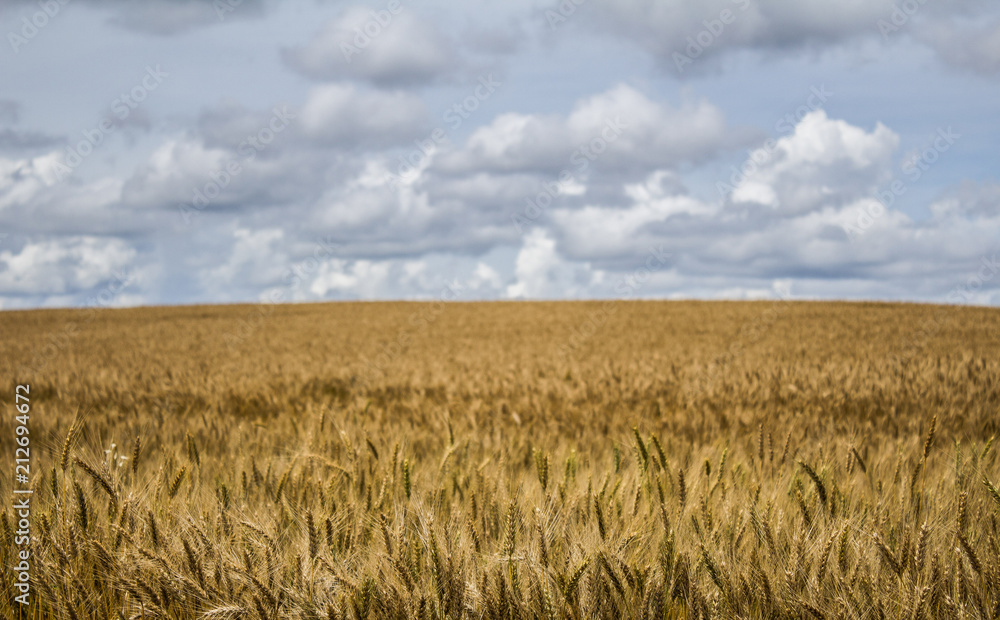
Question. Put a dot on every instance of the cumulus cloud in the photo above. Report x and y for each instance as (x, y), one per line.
(241, 161)
(541, 272)
(36, 202)
(617, 130)
(30, 181)
(793, 228)
(614, 236)
(461, 196)
(824, 162)
(256, 259)
(485, 279)
(785, 221)
(361, 278)
(386, 48)
(173, 171)
(618, 173)
(62, 266)
(20, 181)
(433, 276)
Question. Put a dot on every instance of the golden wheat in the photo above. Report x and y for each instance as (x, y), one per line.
(345, 462)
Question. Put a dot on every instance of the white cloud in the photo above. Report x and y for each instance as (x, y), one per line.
(606, 232)
(485, 278)
(542, 273)
(824, 162)
(23, 180)
(363, 279)
(619, 129)
(62, 266)
(256, 259)
(654, 134)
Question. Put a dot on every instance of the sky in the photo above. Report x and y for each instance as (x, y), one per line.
(221, 151)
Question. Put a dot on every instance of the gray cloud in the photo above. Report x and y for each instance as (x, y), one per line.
(18, 141)
(12, 140)
(171, 17)
(706, 29)
(689, 38)
(382, 47)
(971, 46)
(969, 199)
(496, 39)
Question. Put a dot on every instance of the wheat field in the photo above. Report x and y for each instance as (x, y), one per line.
(507, 460)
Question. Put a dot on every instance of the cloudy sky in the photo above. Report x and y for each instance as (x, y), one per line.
(199, 151)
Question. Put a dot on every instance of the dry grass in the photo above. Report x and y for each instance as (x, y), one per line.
(730, 460)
